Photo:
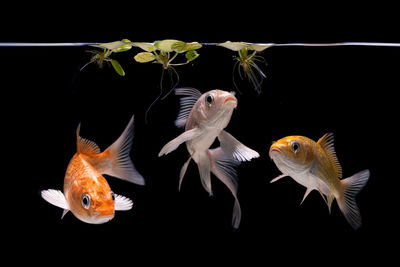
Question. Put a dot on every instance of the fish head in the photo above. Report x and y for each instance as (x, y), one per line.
(215, 107)
(92, 201)
(292, 154)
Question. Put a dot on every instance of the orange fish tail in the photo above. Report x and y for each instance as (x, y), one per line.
(115, 160)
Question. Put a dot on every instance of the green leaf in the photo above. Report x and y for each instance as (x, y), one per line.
(144, 57)
(260, 47)
(124, 47)
(148, 47)
(179, 47)
(111, 46)
(166, 45)
(117, 67)
(236, 46)
(191, 55)
(192, 46)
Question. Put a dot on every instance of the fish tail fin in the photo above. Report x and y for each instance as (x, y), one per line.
(115, 160)
(347, 202)
(223, 166)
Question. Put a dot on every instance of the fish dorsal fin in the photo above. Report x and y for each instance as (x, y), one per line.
(186, 103)
(85, 146)
(326, 142)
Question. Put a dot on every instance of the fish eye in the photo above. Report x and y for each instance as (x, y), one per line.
(209, 99)
(112, 195)
(85, 200)
(295, 146)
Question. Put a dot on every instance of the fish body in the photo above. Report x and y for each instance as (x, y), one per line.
(315, 166)
(86, 192)
(205, 117)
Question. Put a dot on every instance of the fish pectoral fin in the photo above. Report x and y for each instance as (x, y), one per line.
(122, 203)
(55, 197)
(278, 178)
(231, 146)
(174, 143)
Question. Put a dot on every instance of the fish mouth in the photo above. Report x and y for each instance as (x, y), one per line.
(103, 219)
(274, 149)
(230, 99)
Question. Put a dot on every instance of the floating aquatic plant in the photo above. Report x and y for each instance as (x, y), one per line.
(247, 60)
(164, 53)
(101, 56)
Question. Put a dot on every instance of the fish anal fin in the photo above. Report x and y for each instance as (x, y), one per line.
(329, 201)
(308, 190)
(326, 142)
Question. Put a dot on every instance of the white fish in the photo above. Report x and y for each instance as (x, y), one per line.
(205, 117)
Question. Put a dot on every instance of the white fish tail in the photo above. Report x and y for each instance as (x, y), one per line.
(222, 166)
(347, 202)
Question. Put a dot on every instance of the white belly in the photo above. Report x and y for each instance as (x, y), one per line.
(201, 144)
(311, 182)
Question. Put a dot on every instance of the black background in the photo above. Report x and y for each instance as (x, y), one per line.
(350, 91)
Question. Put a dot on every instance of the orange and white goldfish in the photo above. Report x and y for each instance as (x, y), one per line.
(315, 166)
(86, 192)
(205, 117)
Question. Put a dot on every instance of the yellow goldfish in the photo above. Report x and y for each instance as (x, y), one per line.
(205, 116)
(86, 192)
(315, 166)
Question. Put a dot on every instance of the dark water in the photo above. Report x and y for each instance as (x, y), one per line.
(350, 91)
